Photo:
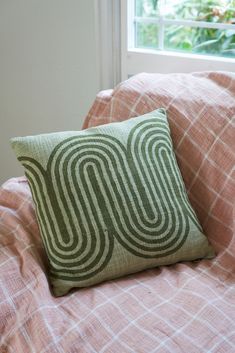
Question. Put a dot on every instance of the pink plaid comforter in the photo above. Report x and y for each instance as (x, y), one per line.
(187, 307)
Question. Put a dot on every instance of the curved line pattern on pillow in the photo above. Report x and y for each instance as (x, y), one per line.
(81, 180)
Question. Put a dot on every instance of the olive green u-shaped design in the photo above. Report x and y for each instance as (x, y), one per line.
(95, 189)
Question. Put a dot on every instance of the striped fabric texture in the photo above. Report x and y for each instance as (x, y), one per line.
(110, 201)
(186, 307)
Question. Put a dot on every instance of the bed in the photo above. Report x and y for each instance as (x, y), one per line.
(186, 307)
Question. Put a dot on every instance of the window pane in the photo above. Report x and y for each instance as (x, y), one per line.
(146, 8)
(146, 35)
(200, 10)
(200, 40)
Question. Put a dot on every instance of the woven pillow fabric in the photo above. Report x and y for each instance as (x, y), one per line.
(110, 201)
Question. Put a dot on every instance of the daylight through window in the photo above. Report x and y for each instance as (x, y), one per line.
(189, 26)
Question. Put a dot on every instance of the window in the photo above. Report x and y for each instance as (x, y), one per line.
(202, 27)
(177, 35)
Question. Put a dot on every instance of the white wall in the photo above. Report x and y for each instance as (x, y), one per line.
(48, 69)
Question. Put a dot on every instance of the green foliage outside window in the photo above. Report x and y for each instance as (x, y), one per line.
(189, 39)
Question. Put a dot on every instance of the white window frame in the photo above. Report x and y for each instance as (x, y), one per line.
(108, 42)
(135, 60)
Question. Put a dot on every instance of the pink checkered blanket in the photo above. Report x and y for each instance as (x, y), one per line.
(187, 307)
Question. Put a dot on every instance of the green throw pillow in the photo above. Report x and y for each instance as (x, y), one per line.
(110, 201)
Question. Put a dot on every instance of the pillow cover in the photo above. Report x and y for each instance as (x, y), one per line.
(110, 201)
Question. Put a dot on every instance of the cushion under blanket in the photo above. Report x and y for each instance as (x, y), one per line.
(187, 307)
(201, 113)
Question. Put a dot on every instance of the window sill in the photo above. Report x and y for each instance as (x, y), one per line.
(139, 60)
